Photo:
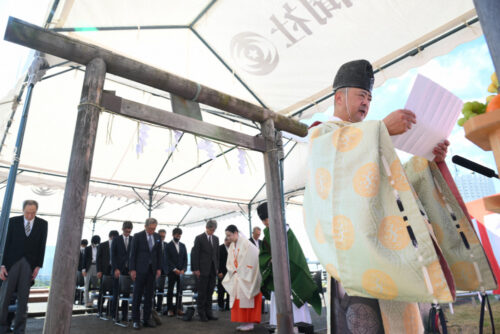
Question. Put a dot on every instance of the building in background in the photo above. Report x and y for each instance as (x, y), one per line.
(473, 186)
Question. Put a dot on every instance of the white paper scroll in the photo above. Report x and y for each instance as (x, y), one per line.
(437, 111)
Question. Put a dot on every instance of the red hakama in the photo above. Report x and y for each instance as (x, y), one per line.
(247, 314)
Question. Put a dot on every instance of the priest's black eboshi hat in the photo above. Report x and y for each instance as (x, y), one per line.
(356, 73)
(262, 211)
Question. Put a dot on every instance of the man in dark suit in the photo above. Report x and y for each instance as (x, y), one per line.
(22, 259)
(177, 266)
(81, 260)
(120, 253)
(222, 272)
(254, 239)
(145, 267)
(205, 265)
(160, 282)
(89, 267)
(103, 263)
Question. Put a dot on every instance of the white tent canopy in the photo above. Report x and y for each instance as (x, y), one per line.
(279, 54)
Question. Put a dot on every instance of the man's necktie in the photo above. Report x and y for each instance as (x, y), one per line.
(126, 243)
(27, 229)
(150, 242)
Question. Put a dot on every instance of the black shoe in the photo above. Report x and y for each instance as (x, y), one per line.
(136, 325)
(210, 316)
(149, 323)
(203, 317)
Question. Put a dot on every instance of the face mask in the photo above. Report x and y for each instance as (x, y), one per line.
(177, 239)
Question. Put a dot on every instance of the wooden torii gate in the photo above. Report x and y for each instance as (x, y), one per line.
(100, 61)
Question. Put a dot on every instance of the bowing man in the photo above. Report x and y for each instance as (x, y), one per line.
(177, 266)
(205, 265)
(120, 253)
(145, 267)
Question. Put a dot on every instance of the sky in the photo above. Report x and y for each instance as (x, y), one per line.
(465, 72)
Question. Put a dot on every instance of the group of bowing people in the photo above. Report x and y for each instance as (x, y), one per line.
(149, 261)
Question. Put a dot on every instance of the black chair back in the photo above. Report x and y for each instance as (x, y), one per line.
(80, 280)
(94, 283)
(126, 284)
(189, 282)
(107, 283)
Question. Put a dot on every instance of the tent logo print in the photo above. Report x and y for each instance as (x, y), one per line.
(253, 53)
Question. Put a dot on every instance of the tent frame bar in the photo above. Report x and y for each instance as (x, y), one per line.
(131, 187)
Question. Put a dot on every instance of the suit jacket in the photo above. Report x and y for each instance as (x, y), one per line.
(253, 242)
(176, 260)
(81, 260)
(120, 255)
(18, 245)
(205, 255)
(103, 258)
(88, 257)
(222, 259)
(140, 255)
(164, 259)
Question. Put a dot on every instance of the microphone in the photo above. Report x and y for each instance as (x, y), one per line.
(466, 163)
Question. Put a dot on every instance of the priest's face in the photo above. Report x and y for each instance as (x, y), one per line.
(232, 237)
(352, 104)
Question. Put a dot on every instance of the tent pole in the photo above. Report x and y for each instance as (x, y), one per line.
(11, 181)
(250, 219)
(62, 290)
(150, 205)
(488, 12)
(277, 229)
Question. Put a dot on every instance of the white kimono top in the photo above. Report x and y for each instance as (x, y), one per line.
(243, 278)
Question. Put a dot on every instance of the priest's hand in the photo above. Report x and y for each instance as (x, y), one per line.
(117, 273)
(158, 273)
(197, 273)
(440, 151)
(99, 274)
(220, 275)
(133, 274)
(399, 121)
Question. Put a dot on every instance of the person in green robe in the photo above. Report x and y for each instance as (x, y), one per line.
(304, 289)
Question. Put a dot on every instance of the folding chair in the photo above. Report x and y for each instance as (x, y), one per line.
(126, 288)
(80, 288)
(162, 280)
(107, 288)
(189, 283)
(93, 289)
